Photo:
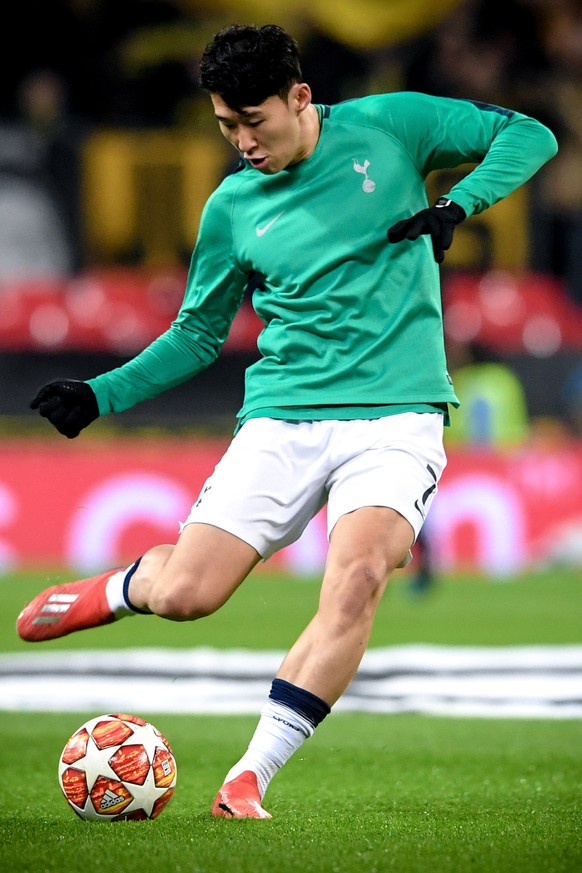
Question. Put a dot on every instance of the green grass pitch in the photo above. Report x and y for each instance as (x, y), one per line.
(367, 793)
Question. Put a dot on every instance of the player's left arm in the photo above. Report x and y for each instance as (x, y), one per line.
(508, 148)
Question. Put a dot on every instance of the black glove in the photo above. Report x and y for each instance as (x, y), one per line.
(68, 404)
(439, 221)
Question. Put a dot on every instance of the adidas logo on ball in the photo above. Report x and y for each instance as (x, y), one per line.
(110, 799)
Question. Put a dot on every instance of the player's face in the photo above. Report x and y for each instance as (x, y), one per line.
(272, 135)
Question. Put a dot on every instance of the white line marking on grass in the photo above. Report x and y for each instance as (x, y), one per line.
(504, 682)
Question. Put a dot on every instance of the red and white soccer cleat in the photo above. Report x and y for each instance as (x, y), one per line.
(62, 609)
(239, 798)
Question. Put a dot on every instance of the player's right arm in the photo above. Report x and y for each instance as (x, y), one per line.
(214, 291)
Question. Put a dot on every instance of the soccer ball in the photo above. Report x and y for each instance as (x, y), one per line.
(117, 767)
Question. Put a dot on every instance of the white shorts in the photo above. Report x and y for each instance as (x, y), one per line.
(276, 475)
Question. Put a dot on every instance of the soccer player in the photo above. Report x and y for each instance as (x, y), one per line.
(347, 403)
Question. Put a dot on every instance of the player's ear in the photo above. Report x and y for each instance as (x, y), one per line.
(300, 96)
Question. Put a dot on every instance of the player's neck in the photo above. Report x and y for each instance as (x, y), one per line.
(310, 129)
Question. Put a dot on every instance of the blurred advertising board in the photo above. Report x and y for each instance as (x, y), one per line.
(91, 505)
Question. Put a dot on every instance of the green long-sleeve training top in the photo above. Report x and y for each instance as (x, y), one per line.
(352, 323)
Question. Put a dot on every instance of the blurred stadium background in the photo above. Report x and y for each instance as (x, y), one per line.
(108, 151)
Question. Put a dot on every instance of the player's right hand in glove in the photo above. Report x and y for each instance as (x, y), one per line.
(439, 221)
(69, 405)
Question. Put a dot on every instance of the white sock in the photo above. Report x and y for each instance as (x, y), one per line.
(114, 593)
(279, 733)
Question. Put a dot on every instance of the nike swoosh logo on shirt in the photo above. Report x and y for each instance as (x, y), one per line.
(261, 231)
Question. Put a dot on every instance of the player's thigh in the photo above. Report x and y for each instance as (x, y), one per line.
(364, 548)
(378, 534)
(267, 486)
(204, 569)
(394, 462)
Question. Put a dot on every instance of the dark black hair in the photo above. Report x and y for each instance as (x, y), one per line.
(245, 64)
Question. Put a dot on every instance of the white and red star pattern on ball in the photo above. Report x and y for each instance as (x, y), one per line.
(117, 767)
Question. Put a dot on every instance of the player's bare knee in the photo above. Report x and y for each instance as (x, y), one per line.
(175, 605)
(357, 590)
(181, 601)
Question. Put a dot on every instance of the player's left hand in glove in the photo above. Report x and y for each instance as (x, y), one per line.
(69, 405)
(439, 221)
